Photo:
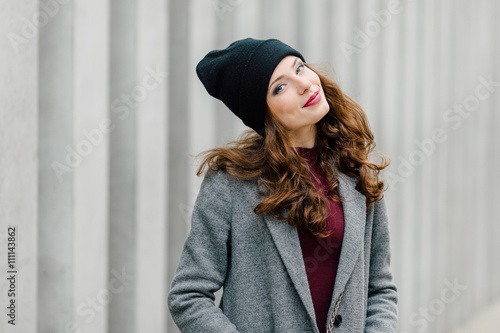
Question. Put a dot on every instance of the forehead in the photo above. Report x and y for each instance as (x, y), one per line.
(284, 66)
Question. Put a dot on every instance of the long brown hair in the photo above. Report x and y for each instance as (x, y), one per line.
(344, 142)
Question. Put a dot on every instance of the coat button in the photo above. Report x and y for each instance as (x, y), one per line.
(338, 320)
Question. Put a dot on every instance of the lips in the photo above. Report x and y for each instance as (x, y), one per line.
(313, 100)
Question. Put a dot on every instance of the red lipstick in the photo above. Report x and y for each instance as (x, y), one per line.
(313, 100)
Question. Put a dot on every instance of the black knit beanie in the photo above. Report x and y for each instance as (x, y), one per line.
(239, 76)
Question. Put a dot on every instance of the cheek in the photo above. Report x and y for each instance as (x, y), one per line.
(314, 78)
(285, 110)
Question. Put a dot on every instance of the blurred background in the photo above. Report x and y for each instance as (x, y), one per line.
(101, 114)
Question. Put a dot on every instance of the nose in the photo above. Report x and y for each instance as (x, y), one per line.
(303, 84)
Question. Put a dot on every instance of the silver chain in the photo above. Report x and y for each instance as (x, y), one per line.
(335, 309)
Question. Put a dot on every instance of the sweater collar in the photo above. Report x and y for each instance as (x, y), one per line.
(309, 154)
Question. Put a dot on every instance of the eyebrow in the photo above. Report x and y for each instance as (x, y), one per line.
(281, 76)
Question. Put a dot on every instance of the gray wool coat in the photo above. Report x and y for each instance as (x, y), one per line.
(259, 265)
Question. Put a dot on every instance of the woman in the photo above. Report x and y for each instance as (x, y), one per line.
(290, 220)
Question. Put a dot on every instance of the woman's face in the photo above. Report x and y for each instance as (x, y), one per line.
(296, 98)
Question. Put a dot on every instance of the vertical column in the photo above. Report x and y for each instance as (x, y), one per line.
(56, 169)
(314, 19)
(442, 222)
(495, 162)
(126, 93)
(462, 150)
(390, 131)
(407, 188)
(222, 25)
(369, 77)
(19, 163)
(91, 177)
(208, 119)
(246, 22)
(152, 170)
(389, 75)
(425, 146)
(469, 148)
(482, 166)
(247, 18)
(342, 43)
(178, 132)
(281, 19)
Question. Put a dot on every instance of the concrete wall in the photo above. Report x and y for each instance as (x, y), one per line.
(101, 113)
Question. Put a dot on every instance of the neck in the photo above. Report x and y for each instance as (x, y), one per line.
(304, 137)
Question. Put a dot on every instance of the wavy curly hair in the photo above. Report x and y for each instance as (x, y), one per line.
(344, 142)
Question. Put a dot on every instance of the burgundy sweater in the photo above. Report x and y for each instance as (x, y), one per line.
(321, 255)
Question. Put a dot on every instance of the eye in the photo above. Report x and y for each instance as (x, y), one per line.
(300, 68)
(278, 89)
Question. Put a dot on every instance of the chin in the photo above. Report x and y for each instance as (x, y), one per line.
(319, 116)
(324, 109)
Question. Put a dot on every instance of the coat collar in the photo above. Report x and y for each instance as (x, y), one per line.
(287, 242)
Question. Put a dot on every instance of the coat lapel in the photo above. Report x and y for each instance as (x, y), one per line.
(354, 208)
(287, 242)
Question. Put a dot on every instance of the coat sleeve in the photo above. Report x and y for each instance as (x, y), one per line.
(381, 311)
(204, 261)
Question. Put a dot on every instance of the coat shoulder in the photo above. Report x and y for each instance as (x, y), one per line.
(221, 179)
